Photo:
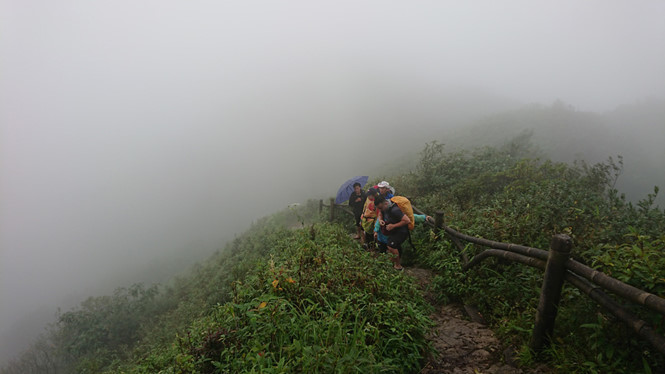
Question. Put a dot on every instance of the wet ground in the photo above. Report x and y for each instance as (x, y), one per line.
(462, 346)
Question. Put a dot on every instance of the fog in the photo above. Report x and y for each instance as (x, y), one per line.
(138, 136)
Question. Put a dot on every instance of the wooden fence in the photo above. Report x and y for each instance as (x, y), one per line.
(558, 267)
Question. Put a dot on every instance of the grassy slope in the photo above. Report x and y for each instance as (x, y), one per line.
(315, 303)
(277, 299)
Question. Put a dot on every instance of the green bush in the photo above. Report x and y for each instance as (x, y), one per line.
(501, 194)
(317, 304)
(103, 332)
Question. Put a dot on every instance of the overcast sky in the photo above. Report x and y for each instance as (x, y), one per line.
(138, 130)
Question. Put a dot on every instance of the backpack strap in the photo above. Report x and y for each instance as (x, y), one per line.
(411, 241)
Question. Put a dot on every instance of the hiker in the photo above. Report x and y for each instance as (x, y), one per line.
(382, 240)
(385, 190)
(368, 218)
(356, 203)
(394, 225)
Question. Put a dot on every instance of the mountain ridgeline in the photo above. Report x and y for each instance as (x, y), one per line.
(295, 294)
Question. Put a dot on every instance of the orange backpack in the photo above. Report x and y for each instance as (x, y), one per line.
(405, 206)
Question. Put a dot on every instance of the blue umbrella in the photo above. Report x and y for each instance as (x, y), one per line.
(346, 189)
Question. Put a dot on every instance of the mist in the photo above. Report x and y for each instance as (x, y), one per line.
(138, 137)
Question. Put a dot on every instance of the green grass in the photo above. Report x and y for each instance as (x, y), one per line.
(317, 304)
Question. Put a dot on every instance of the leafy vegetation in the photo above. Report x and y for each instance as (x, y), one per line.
(294, 294)
(319, 304)
(275, 300)
(504, 195)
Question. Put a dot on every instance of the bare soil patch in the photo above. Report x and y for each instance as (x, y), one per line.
(462, 346)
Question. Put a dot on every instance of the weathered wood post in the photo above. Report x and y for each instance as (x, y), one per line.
(320, 206)
(438, 219)
(551, 291)
(332, 209)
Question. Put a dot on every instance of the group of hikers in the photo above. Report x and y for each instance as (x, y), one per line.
(383, 220)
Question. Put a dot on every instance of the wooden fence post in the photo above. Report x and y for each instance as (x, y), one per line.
(332, 209)
(320, 206)
(438, 219)
(550, 293)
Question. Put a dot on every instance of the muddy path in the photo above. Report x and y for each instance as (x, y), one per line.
(462, 346)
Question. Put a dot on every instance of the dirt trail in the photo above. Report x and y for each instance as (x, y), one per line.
(462, 346)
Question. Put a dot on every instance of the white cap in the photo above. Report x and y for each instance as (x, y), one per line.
(383, 184)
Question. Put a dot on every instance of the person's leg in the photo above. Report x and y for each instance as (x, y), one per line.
(358, 228)
(369, 240)
(395, 247)
(394, 252)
